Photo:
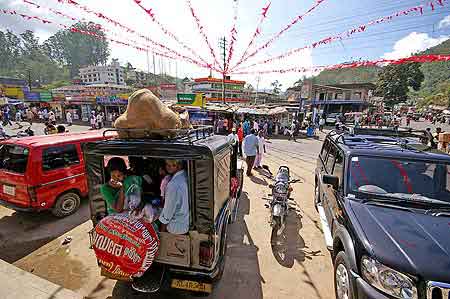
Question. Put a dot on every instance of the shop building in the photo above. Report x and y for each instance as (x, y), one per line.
(212, 90)
(335, 97)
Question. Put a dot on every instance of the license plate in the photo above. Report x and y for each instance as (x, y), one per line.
(191, 285)
(10, 190)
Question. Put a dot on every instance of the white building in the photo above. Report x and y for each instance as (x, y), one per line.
(110, 74)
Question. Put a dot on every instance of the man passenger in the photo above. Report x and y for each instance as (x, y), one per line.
(174, 217)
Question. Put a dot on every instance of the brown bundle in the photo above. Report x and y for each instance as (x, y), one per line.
(147, 113)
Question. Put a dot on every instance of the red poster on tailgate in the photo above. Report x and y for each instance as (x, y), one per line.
(125, 247)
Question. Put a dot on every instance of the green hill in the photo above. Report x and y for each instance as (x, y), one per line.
(346, 76)
(436, 73)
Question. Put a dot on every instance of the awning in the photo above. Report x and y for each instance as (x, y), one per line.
(277, 110)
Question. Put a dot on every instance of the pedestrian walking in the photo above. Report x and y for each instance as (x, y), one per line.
(321, 124)
(256, 125)
(19, 119)
(93, 120)
(261, 150)
(251, 149)
(240, 133)
(99, 121)
(30, 116)
(246, 127)
(69, 118)
(51, 117)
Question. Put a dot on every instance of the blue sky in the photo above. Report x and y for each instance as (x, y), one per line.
(396, 39)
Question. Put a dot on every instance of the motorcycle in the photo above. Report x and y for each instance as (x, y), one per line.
(279, 201)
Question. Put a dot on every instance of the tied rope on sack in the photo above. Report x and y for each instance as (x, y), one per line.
(149, 117)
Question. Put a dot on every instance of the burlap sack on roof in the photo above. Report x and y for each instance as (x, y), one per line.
(146, 111)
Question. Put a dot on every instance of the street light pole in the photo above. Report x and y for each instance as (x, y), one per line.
(257, 87)
(223, 46)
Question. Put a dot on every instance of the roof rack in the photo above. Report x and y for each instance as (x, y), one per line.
(187, 135)
(400, 132)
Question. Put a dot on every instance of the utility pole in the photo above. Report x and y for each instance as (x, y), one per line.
(154, 68)
(257, 87)
(223, 46)
(29, 79)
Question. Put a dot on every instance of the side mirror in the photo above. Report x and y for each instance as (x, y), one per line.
(331, 180)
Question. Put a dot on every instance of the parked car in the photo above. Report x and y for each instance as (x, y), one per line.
(332, 118)
(44, 172)
(384, 204)
(212, 166)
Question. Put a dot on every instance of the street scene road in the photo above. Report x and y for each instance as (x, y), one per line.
(34, 242)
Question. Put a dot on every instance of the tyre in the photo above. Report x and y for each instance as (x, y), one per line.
(66, 204)
(343, 282)
(223, 249)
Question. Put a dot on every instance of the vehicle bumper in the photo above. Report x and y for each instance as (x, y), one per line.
(16, 207)
(366, 291)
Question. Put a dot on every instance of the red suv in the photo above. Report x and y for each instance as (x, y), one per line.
(44, 172)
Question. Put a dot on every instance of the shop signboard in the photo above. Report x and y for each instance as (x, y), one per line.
(13, 92)
(32, 96)
(190, 99)
(111, 100)
(45, 96)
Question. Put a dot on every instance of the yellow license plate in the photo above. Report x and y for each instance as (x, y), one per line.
(191, 285)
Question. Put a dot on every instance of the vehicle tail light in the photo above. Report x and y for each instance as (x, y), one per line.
(32, 193)
(291, 189)
(206, 253)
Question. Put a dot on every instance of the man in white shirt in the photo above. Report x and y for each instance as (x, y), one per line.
(174, 217)
(233, 137)
(69, 118)
(51, 117)
(251, 149)
(261, 150)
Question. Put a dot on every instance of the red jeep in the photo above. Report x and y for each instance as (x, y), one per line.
(44, 172)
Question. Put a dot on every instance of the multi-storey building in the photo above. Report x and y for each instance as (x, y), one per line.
(109, 74)
(212, 89)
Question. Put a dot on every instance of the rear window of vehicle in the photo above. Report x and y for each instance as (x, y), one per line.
(59, 157)
(13, 158)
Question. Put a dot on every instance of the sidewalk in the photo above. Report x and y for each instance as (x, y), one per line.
(18, 284)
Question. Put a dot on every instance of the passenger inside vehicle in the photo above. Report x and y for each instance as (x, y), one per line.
(151, 189)
(174, 217)
(120, 186)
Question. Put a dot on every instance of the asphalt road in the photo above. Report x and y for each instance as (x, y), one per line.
(300, 268)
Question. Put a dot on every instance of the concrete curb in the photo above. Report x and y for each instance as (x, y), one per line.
(16, 283)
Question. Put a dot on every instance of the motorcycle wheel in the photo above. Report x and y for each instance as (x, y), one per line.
(275, 228)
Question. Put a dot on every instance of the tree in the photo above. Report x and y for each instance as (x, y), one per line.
(276, 87)
(76, 50)
(394, 82)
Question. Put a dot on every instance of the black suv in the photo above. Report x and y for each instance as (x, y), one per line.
(384, 204)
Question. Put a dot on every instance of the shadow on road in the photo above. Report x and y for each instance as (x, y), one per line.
(289, 246)
(22, 233)
(241, 279)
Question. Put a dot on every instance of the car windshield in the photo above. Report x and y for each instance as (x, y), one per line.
(13, 158)
(401, 179)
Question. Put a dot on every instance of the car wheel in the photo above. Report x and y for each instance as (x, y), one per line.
(317, 199)
(343, 283)
(224, 255)
(66, 205)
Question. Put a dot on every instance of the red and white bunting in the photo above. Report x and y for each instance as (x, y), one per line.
(233, 34)
(130, 30)
(257, 32)
(167, 32)
(356, 64)
(418, 10)
(203, 34)
(281, 32)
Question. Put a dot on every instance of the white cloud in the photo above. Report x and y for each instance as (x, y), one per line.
(413, 43)
(445, 22)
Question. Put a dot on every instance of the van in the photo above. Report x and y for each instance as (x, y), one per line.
(44, 172)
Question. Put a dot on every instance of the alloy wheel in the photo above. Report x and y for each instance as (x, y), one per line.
(342, 282)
